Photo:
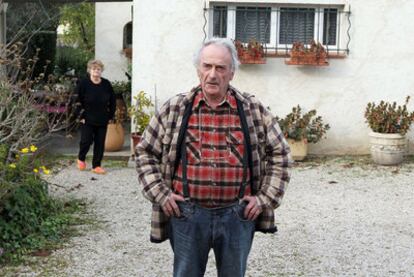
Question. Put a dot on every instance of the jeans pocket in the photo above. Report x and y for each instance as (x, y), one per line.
(186, 211)
(238, 211)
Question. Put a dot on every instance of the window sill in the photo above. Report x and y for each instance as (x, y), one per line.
(285, 54)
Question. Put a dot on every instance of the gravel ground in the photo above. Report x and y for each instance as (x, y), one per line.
(342, 217)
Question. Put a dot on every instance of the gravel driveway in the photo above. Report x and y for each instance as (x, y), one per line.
(341, 217)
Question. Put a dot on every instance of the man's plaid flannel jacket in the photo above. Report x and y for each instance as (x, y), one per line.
(156, 154)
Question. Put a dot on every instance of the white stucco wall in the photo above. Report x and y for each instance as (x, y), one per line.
(111, 17)
(379, 66)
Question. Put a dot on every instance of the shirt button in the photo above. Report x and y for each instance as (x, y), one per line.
(214, 184)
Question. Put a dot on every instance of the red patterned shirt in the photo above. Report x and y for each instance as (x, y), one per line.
(215, 145)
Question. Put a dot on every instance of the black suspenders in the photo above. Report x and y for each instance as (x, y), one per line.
(181, 154)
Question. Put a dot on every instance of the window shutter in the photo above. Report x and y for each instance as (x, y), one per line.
(220, 21)
(296, 25)
(253, 23)
(329, 26)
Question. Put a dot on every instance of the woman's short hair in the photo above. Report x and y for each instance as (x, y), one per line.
(92, 63)
(227, 43)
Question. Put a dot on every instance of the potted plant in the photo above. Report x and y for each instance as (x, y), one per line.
(122, 90)
(252, 53)
(300, 129)
(389, 124)
(140, 115)
(315, 55)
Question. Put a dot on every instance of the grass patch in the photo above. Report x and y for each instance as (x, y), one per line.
(52, 232)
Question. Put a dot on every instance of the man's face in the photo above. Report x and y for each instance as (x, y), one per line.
(215, 71)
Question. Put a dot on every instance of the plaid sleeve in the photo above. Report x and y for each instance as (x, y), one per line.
(148, 155)
(277, 166)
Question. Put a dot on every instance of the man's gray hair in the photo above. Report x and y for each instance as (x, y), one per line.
(228, 43)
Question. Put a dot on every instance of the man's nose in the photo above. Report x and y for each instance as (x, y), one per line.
(212, 72)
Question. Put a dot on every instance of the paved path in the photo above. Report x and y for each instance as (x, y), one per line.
(339, 218)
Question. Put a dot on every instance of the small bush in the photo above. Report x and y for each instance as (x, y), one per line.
(389, 118)
(71, 59)
(298, 126)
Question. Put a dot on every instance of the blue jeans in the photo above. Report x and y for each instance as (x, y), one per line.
(198, 229)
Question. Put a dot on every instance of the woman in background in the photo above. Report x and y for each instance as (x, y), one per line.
(96, 106)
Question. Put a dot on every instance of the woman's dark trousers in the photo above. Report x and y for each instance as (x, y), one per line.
(96, 135)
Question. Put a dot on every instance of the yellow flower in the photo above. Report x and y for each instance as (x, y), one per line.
(42, 167)
(46, 171)
(35, 170)
(12, 165)
(25, 150)
(33, 148)
(17, 156)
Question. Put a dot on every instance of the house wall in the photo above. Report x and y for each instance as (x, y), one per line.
(379, 66)
(110, 19)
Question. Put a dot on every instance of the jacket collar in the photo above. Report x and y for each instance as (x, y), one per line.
(190, 96)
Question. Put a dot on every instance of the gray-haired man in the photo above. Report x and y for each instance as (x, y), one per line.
(215, 165)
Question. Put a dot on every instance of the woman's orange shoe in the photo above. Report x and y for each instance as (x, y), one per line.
(81, 165)
(98, 170)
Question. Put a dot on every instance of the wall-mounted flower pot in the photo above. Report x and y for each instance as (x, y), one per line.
(128, 52)
(315, 55)
(307, 59)
(252, 53)
(246, 58)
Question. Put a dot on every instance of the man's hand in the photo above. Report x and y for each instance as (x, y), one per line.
(170, 207)
(252, 210)
(82, 121)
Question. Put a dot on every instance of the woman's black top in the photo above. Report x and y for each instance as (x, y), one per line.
(96, 102)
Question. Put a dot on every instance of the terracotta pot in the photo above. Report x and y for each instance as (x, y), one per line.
(299, 149)
(306, 58)
(135, 139)
(246, 58)
(387, 149)
(114, 140)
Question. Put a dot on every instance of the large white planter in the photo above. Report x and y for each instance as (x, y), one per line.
(387, 149)
(299, 149)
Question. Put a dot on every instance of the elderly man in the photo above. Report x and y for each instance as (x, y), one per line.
(214, 163)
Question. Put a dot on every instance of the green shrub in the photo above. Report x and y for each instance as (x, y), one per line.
(70, 58)
(298, 126)
(30, 218)
(389, 118)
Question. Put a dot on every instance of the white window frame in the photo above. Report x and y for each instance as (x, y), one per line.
(275, 21)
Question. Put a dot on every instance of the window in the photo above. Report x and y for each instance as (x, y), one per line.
(278, 26)
(220, 21)
(253, 23)
(127, 43)
(329, 26)
(296, 24)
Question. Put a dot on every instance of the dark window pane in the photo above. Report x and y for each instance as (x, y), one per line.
(128, 35)
(253, 23)
(220, 21)
(296, 25)
(329, 26)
